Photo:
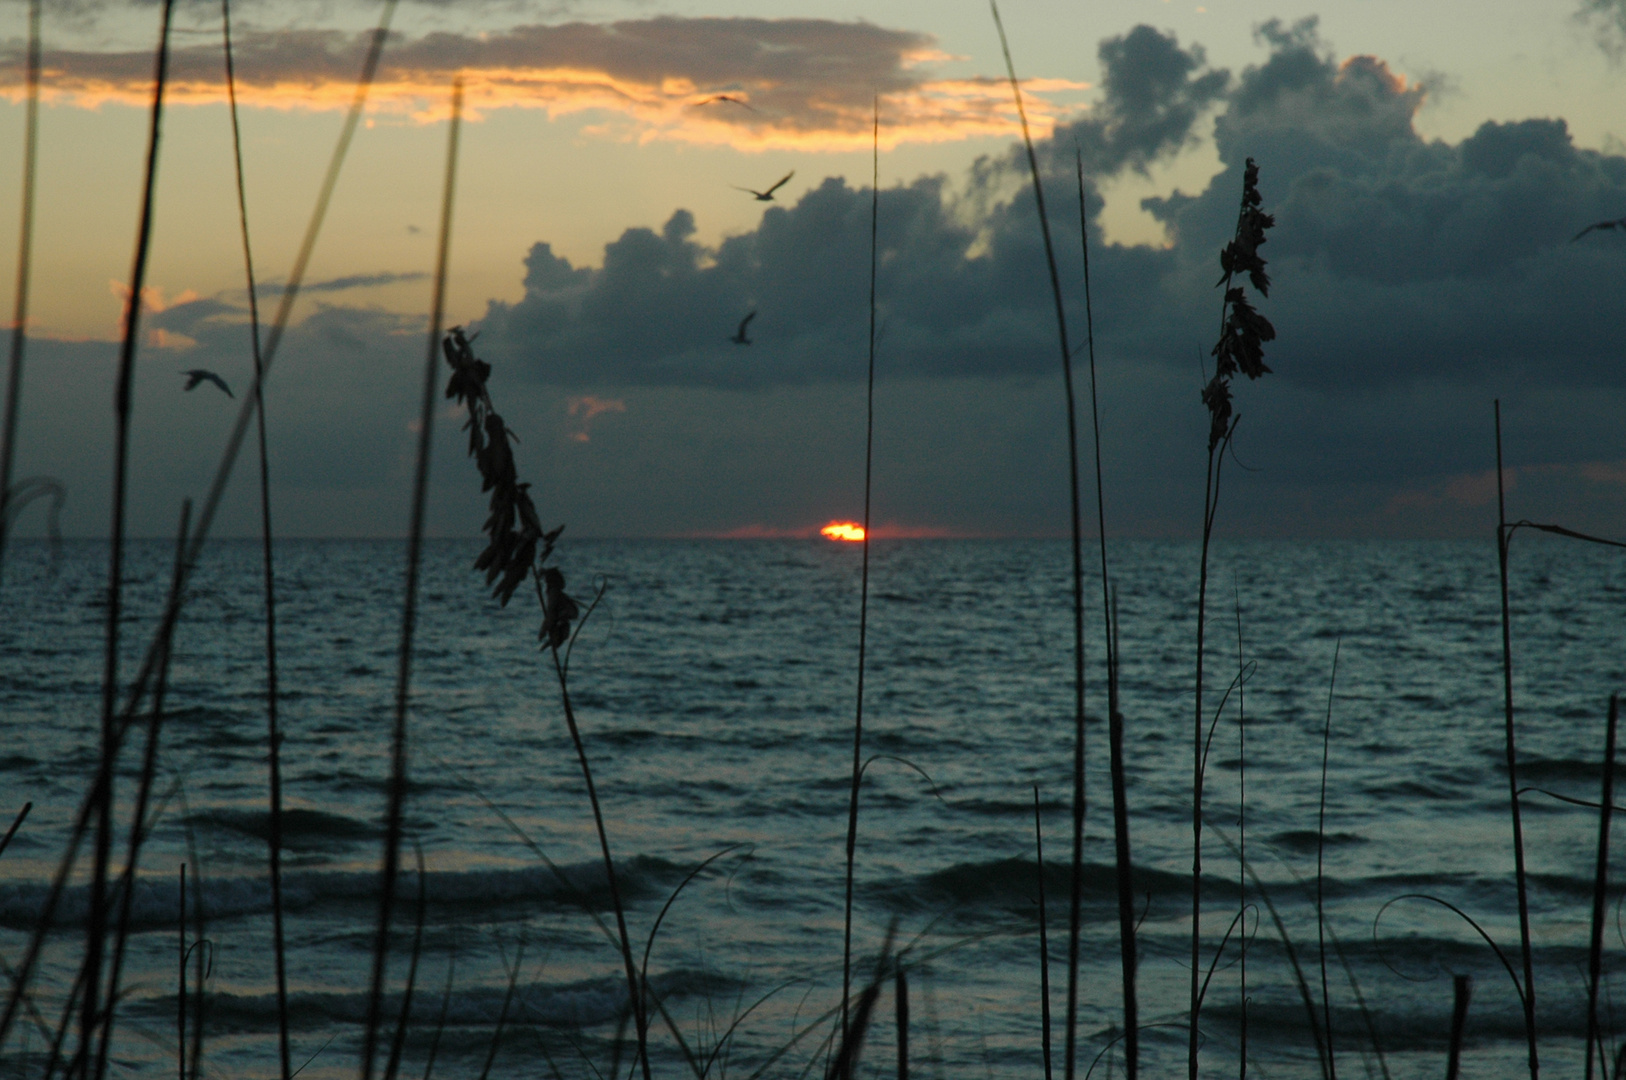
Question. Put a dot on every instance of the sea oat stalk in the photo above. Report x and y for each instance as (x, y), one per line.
(1243, 332)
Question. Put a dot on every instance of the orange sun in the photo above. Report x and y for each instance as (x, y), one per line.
(843, 530)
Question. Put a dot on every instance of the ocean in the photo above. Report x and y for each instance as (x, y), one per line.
(715, 687)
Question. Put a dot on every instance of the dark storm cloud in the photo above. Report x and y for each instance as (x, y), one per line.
(1414, 280)
(1397, 259)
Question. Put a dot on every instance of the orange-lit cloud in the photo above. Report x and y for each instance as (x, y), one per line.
(745, 82)
(583, 409)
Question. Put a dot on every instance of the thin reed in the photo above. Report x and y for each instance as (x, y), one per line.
(409, 614)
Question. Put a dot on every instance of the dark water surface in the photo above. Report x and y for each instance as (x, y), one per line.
(715, 687)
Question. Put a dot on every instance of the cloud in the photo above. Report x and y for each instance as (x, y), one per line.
(360, 281)
(1609, 19)
(583, 409)
(1415, 281)
(808, 83)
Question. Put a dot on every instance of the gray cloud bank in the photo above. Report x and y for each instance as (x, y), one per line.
(1414, 281)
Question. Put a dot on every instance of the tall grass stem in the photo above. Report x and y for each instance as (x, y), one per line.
(1074, 518)
(1503, 535)
(1600, 885)
(863, 589)
(1044, 938)
(96, 922)
(1320, 877)
(273, 733)
(25, 260)
(409, 613)
(138, 813)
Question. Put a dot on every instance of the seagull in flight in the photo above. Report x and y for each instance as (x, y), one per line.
(767, 196)
(1618, 223)
(739, 337)
(198, 375)
(731, 100)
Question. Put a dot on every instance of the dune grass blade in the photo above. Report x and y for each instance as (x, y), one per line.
(1600, 885)
(1077, 542)
(96, 922)
(502, 1014)
(1122, 861)
(398, 1042)
(180, 995)
(900, 994)
(1108, 616)
(1292, 954)
(863, 589)
(845, 1063)
(1044, 939)
(234, 442)
(1462, 988)
(1241, 846)
(1320, 877)
(409, 613)
(440, 1021)
(273, 734)
(1520, 881)
(25, 253)
(16, 823)
(89, 808)
(138, 814)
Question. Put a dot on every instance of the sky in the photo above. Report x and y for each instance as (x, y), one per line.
(1428, 175)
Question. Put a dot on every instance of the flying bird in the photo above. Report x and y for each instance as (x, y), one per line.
(739, 337)
(198, 375)
(731, 100)
(1618, 223)
(766, 196)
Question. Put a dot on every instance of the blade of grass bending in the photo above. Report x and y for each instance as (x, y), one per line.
(138, 815)
(852, 1045)
(1076, 899)
(399, 1041)
(273, 735)
(863, 591)
(88, 808)
(234, 442)
(445, 1008)
(96, 922)
(1292, 953)
(409, 613)
(1044, 939)
(1123, 863)
(16, 824)
(1320, 878)
(1462, 988)
(1077, 542)
(1520, 881)
(25, 253)
(502, 1016)
(1600, 885)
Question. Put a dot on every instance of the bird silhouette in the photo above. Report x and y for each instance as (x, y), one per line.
(1618, 223)
(766, 196)
(198, 375)
(731, 100)
(739, 337)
